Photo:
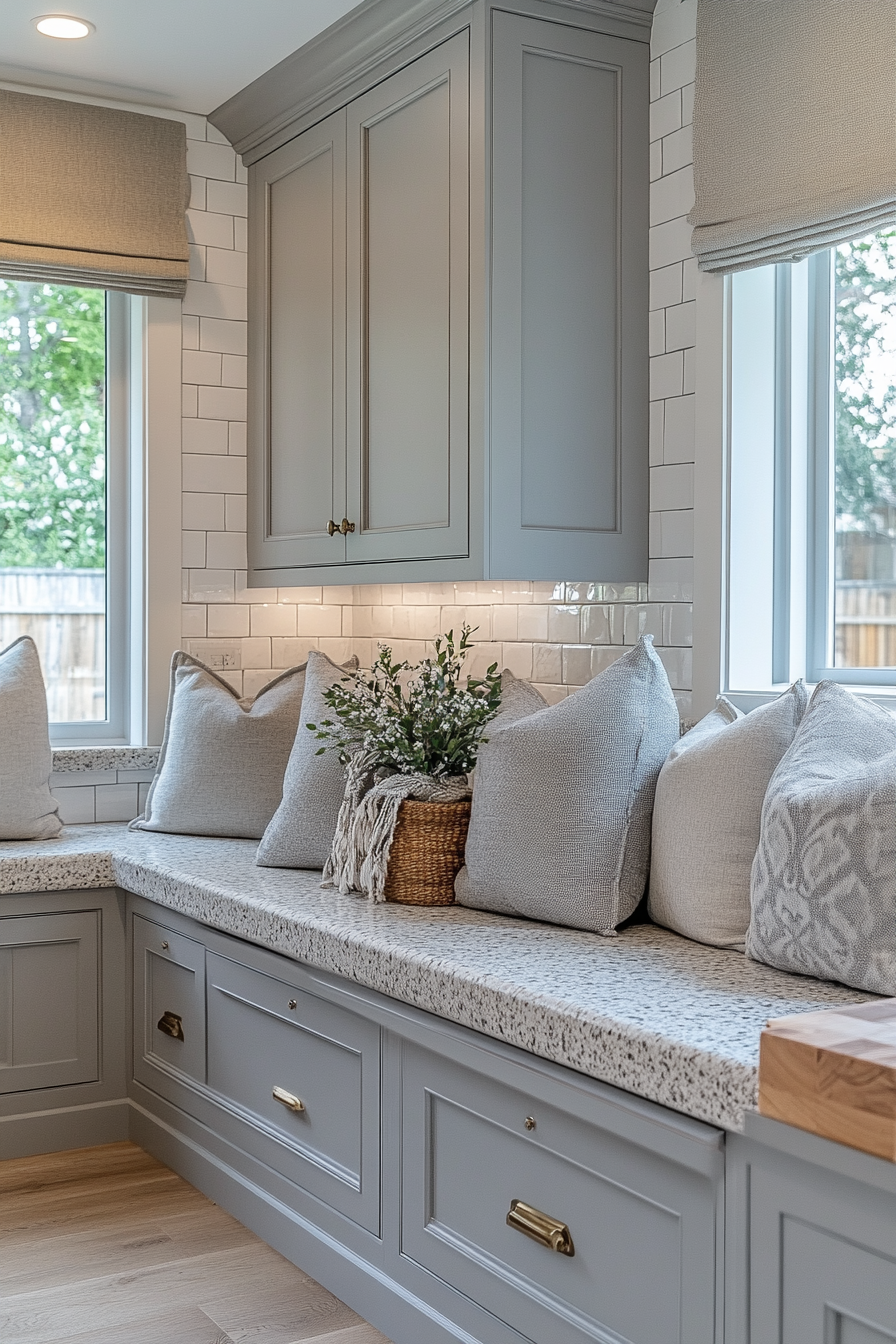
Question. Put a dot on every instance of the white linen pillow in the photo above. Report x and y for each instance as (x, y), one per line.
(560, 824)
(223, 758)
(28, 811)
(706, 818)
(300, 833)
(824, 877)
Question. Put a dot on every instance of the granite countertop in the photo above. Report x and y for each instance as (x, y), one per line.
(648, 1011)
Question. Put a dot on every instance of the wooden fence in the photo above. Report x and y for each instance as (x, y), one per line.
(64, 613)
(865, 624)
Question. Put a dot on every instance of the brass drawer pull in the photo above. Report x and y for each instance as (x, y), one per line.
(342, 528)
(541, 1227)
(171, 1025)
(288, 1100)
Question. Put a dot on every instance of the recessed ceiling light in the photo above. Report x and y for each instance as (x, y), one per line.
(63, 25)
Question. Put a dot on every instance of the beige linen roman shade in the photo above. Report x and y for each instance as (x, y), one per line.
(794, 127)
(92, 196)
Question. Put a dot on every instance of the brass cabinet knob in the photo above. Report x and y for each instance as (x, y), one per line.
(288, 1100)
(342, 528)
(169, 1024)
(529, 1122)
(164, 947)
(292, 1004)
(541, 1227)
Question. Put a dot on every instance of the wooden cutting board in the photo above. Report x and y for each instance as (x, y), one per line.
(834, 1073)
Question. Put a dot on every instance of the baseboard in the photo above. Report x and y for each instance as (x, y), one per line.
(401, 1316)
(72, 1127)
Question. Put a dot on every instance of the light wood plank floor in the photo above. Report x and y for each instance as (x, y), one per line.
(107, 1246)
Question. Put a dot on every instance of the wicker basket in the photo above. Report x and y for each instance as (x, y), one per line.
(427, 852)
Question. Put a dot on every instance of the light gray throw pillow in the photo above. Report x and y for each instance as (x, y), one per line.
(706, 817)
(28, 810)
(222, 760)
(301, 831)
(560, 826)
(824, 876)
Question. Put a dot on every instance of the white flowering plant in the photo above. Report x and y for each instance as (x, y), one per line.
(430, 722)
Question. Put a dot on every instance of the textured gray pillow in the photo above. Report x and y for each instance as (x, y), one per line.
(824, 877)
(560, 827)
(28, 810)
(301, 831)
(706, 818)
(222, 760)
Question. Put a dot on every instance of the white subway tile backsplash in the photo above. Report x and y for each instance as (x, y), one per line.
(208, 229)
(204, 436)
(665, 116)
(203, 511)
(220, 301)
(193, 549)
(273, 619)
(77, 804)
(665, 285)
(210, 160)
(116, 802)
(227, 620)
(672, 196)
(202, 366)
(233, 371)
(672, 487)
(227, 198)
(677, 67)
(678, 149)
(225, 267)
(670, 242)
(222, 335)
(222, 403)
(208, 473)
(681, 326)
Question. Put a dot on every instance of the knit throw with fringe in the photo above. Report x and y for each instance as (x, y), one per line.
(359, 858)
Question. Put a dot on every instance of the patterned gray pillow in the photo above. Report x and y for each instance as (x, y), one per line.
(301, 831)
(823, 885)
(706, 817)
(222, 760)
(560, 827)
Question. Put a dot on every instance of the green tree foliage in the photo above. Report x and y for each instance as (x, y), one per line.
(864, 402)
(52, 426)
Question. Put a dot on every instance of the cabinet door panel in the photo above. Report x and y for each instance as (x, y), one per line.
(408, 284)
(49, 1001)
(568, 478)
(297, 352)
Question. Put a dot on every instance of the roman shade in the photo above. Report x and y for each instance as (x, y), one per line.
(794, 128)
(92, 196)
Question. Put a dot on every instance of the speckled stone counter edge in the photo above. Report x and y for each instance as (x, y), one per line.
(472, 981)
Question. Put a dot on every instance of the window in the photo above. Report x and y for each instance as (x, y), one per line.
(811, 482)
(63, 516)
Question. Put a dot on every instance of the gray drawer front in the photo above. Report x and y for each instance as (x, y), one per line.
(643, 1227)
(49, 1000)
(169, 978)
(318, 1052)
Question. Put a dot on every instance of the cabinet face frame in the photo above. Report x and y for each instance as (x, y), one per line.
(442, 73)
(313, 544)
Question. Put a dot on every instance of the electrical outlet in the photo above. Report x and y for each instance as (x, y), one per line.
(224, 662)
(223, 657)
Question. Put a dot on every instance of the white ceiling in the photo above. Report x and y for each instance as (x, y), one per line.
(186, 54)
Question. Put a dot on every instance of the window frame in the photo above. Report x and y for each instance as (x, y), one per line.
(114, 728)
(790, 621)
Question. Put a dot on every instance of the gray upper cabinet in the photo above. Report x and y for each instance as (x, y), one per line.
(408, 289)
(297, 288)
(568, 400)
(448, 296)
